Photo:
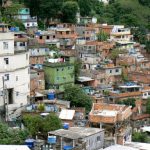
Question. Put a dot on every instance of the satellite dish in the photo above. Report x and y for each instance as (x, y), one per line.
(94, 20)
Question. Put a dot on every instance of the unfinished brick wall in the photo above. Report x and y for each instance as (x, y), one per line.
(104, 119)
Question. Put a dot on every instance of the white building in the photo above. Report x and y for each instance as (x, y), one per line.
(120, 33)
(104, 1)
(14, 71)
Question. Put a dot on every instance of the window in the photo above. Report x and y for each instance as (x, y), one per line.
(41, 37)
(22, 44)
(110, 71)
(6, 77)
(6, 61)
(53, 36)
(57, 69)
(17, 93)
(98, 138)
(39, 82)
(16, 78)
(117, 70)
(47, 37)
(62, 69)
(5, 45)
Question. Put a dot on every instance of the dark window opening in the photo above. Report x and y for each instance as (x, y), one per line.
(47, 37)
(6, 61)
(10, 96)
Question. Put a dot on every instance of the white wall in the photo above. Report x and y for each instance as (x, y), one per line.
(17, 61)
(9, 38)
(30, 24)
(20, 86)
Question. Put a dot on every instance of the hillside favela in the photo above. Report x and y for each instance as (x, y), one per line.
(74, 74)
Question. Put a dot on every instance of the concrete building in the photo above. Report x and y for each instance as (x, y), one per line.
(120, 33)
(114, 119)
(24, 16)
(37, 81)
(14, 70)
(59, 72)
(75, 137)
(66, 35)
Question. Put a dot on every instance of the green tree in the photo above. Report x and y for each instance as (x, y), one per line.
(36, 124)
(85, 7)
(12, 136)
(33, 123)
(34, 6)
(102, 36)
(128, 102)
(114, 54)
(69, 11)
(77, 97)
(140, 34)
(48, 10)
(51, 123)
(148, 46)
(145, 2)
(139, 137)
(148, 106)
(77, 67)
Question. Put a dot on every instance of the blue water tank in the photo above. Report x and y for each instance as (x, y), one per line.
(17, 29)
(51, 96)
(52, 139)
(30, 143)
(68, 147)
(66, 126)
(12, 29)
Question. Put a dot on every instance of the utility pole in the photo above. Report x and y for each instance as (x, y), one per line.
(4, 99)
(4, 96)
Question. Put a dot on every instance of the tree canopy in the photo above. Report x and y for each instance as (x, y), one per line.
(69, 11)
(148, 106)
(36, 123)
(128, 12)
(77, 97)
(12, 136)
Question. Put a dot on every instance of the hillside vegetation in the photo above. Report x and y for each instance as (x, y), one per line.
(127, 12)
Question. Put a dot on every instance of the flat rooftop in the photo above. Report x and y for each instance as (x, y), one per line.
(76, 132)
(14, 147)
(106, 113)
(120, 147)
(139, 146)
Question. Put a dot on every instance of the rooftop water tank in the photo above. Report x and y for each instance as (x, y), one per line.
(51, 96)
(51, 139)
(29, 143)
(66, 126)
(68, 147)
